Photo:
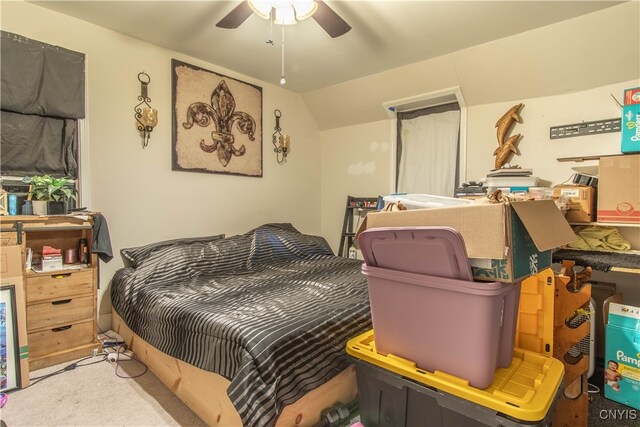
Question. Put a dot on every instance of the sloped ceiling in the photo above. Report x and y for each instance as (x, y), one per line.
(578, 54)
(493, 50)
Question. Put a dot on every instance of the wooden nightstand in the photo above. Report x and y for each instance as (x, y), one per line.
(61, 305)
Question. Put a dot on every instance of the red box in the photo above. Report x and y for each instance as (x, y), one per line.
(632, 96)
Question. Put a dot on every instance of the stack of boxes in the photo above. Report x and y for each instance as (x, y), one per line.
(617, 196)
(615, 200)
(442, 348)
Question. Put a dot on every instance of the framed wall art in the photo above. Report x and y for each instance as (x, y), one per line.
(9, 349)
(217, 122)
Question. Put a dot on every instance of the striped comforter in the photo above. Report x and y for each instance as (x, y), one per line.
(270, 310)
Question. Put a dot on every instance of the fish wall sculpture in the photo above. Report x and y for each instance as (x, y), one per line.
(506, 148)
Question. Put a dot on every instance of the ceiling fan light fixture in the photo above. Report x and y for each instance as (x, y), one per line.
(262, 8)
(285, 15)
(304, 8)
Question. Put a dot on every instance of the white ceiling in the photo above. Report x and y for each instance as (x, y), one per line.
(385, 34)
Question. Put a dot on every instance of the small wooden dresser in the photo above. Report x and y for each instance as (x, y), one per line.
(61, 304)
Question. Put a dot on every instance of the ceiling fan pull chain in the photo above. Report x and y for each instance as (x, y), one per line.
(271, 42)
(282, 79)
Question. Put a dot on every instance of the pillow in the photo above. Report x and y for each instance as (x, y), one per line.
(133, 257)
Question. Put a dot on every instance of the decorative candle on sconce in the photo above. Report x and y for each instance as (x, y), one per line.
(284, 142)
(281, 142)
(146, 116)
(149, 118)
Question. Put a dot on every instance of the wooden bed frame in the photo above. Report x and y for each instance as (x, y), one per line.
(205, 393)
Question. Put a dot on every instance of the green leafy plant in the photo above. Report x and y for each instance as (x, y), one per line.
(48, 188)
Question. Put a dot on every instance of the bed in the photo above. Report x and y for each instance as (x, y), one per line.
(248, 329)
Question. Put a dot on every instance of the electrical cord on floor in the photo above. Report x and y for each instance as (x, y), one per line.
(104, 356)
(69, 367)
(592, 388)
(120, 355)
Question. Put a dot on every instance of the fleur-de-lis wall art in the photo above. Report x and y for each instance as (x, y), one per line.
(227, 137)
(222, 113)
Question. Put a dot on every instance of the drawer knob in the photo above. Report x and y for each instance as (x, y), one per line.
(64, 301)
(61, 328)
(60, 276)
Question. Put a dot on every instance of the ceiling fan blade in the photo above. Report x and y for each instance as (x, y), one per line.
(330, 21)
(237, 16)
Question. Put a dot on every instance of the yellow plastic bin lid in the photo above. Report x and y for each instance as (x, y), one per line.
(525, 390)
(535, 314)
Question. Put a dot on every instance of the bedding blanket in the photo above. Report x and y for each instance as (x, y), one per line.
(270, 310)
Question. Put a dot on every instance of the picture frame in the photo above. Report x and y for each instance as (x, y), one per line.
(216, 122)
(9, 347)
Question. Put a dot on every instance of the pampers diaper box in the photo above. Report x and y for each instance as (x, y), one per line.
(631, 121)
(622, 355)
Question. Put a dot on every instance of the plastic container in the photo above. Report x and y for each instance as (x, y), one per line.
(436, 251)
(534, 331)
(460, 327)
(422, 201)
(13, 204)
(512, 181)
(393, 392)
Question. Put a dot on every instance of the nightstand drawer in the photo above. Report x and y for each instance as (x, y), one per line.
(59, 339)
(58, 286)
(59, 312)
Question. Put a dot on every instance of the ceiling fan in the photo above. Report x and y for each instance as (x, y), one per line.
(329, 20)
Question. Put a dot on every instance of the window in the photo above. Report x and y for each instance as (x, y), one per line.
(428, 150)
(42, 100)
(419, 167)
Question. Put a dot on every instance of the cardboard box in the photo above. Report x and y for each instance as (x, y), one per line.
(619, 189)
(622, 363)
(11, 275)
(581, 202)
(630, 133)
(505, 243)
(632, 96)
(52, 262)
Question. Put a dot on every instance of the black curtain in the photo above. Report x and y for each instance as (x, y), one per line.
(42, 97)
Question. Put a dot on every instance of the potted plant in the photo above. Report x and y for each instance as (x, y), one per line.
(49, 194)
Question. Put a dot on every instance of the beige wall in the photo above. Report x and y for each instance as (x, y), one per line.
(537, 150)
(356, 161)
(141, 198)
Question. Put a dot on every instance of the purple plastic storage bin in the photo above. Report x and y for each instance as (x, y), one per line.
(463, 328)
(436, 251)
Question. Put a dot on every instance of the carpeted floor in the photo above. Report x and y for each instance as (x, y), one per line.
(94, 394)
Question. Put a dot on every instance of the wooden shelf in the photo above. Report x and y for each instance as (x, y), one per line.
(608, 224)
(625, 262)
(584, 158)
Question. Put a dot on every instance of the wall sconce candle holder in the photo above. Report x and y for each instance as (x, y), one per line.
(280, 142)
(146, 116)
